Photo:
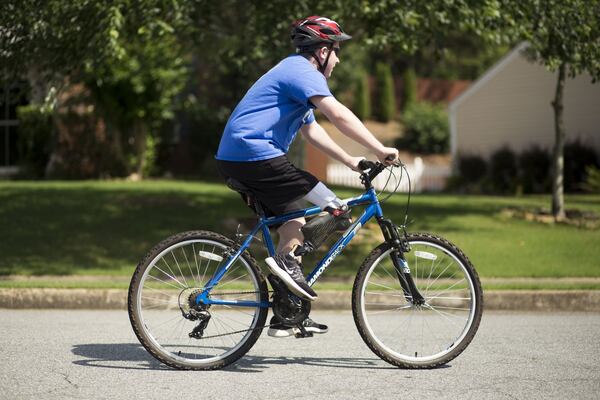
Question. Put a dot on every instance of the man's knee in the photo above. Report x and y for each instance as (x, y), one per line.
(323, 197)
(291, 226)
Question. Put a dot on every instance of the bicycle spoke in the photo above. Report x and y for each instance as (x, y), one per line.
(167, 283)
(179, 268)
(386, 294)
(236, 309)
(417, 334)
(435, 280)
(233, 280)
(188, 264)
(447, 289)
(162, 291)
(172, 276)
(196, 264)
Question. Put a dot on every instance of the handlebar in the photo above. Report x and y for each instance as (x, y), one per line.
(371, 170)
(366, 164)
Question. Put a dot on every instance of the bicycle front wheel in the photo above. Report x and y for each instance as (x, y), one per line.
(418, 335)
(166, 318)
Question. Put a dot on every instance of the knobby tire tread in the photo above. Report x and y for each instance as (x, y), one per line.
(356, 300)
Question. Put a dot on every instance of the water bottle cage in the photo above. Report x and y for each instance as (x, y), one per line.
(317, 230)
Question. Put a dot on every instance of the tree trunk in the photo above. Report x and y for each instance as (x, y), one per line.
(39, 87)
(558, 205)
(139, 143)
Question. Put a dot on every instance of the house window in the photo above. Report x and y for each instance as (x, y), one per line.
(11, 97)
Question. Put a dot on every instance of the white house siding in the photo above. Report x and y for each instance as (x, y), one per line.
(511, 105)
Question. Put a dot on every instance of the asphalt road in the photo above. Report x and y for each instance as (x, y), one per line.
(95, 355)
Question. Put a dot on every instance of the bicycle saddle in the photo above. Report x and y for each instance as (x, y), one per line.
(247, 196)
(238, 186)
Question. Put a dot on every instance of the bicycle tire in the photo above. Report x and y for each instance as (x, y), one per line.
(139, 315)
(446, 304)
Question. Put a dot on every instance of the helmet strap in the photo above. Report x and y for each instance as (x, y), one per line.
(323, 66)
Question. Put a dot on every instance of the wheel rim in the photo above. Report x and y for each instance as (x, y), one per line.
(419, 334)
(171, 279)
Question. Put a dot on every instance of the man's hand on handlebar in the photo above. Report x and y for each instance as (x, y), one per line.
(387, 155)
(353, 163)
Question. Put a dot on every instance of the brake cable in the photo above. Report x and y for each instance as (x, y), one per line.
(403, 170)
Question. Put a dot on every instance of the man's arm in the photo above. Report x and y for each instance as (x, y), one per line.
(351, 126)
(316, 135)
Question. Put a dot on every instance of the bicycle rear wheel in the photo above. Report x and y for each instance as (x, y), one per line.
(162, 308)
(418, 336)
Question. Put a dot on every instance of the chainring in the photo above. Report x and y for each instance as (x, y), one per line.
(288, 308)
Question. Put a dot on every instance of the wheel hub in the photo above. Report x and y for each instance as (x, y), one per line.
(188, 306)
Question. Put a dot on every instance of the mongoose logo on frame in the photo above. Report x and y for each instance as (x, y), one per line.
(326, 263)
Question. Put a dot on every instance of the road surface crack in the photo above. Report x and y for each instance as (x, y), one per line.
(66, 376)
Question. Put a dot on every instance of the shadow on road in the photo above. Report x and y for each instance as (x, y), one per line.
(258, 363)
(134, 356)
(108, 355)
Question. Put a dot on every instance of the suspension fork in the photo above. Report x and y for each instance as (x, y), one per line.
(400, 246)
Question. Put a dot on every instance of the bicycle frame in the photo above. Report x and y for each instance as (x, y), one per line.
(373, 209)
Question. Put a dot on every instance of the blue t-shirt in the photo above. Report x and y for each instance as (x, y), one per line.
(265, 122)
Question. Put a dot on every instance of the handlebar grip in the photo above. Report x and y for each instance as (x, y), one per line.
(366, 164)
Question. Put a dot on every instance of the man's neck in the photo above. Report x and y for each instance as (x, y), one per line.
(311, 59)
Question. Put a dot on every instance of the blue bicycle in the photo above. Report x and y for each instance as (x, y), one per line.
(199, 300)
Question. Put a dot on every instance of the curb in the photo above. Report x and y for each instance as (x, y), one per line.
(116, 299)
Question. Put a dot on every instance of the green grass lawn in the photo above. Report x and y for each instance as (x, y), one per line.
(53, 228)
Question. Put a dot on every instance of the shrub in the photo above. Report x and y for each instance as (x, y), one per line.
(425, 129)
(577, 158)
(409, 88)
(385, 94)
(470, 174)
(34, 140)
(534, 166)
(592, 180)
(472, 169)
(503, 171)
(362, 97)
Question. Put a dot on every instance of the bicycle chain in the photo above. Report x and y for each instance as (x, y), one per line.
(233, 333)
(223, 293)
(243, 330)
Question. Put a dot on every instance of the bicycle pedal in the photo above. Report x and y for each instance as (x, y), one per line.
(303, 332)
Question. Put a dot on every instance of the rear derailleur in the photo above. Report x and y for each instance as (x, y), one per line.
(193, 311)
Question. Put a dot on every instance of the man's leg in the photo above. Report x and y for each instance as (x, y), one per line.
(290, 235)
(286, 265)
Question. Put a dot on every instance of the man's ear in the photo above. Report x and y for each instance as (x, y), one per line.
(322, 52)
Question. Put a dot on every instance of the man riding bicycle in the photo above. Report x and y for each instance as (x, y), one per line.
(256, 139)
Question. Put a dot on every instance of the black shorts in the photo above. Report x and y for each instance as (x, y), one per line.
(276, 182)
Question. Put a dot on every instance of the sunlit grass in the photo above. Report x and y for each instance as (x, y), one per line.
(106, 227)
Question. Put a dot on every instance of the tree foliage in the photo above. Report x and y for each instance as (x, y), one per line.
(564, 36)
(426, 129)
(409, 88)
(385, 95)
(560, 32)
(413, 24)
(362, 97)
(131, 54)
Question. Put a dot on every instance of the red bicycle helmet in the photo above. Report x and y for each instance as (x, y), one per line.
(314, 30)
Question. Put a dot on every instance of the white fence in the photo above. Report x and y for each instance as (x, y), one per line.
(423, 178)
